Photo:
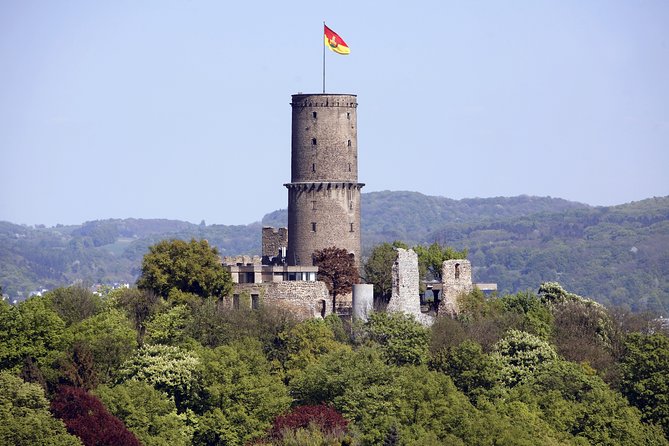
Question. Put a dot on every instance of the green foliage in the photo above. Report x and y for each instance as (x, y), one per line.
(472, 371)
(431, 258)
(582, 333)
(306, 342)
(170, 327)
(243, 395)
(520, 354)
(110, 338)
(74, 304)
(25, 419)
(378, 268)
(402, 339)
(148, 413)
(139, 305)
(30, 330)
(573, 400)
(645, 380)
(169, 369)
(536, 317)
(192, 267)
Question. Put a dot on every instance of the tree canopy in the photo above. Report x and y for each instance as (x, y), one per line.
(190, 267)
(336, 268)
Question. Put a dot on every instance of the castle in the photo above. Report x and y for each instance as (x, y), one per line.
(324, 211)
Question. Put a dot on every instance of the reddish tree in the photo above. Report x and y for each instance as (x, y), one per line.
(336, 268)
(85, 416)
(325, 418)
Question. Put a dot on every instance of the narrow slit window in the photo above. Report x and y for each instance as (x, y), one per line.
(349, 167)
(348, 115)
(351, 230)
(314, 114)
(313, 226)
(313, 205)
(313, 141)
(349, 143)
(457, 270)
(313, 167)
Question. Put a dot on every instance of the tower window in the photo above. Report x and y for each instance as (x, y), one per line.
(349, 167)
(313, 167)
(313, 226)
(457, 270)
(351, 230)
(313, 141)
(313, 205)
(349, 143)
(314, 114)
(348, 115)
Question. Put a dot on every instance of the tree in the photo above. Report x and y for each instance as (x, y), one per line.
(74, 304)
(645, 380)
(431, 259)
(148, 413)
(30, 329)
(324, 418)
(86, 417)
(378, 268)
(402, 339)
(191, 267)
(306, 342)
(172, 370)
(473, 371)
(337, 269)
(243, 395)
(520, 354)
(110, 338)
(25, 419)
(140, 305)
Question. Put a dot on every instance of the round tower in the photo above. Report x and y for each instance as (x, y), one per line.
(323, 193)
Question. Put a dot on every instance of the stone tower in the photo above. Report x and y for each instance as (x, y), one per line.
(323, 193)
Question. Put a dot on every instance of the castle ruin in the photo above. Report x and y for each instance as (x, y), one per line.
(324, 211)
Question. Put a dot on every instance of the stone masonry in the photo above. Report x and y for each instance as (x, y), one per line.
(405, 286)
(273, 240)
(456, 279)
(323, 193)
(305, 300)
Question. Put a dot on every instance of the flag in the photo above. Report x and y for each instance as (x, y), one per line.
(334, 42)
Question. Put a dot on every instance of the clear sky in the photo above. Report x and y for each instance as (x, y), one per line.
(180, 109)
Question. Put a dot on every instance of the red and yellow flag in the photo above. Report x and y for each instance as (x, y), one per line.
(335, 43)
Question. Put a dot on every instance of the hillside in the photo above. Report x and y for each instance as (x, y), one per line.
(617, 255)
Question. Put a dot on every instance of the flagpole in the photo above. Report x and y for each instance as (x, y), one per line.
(323, 59)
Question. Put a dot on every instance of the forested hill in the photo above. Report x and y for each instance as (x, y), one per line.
(617, 255)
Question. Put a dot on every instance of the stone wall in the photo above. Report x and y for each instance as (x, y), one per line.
(305, 300)
(456, 278)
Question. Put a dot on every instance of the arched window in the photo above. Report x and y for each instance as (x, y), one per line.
(457, 270)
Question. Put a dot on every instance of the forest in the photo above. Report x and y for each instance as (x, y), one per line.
(135, 367)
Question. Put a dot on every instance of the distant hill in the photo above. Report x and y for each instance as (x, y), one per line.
(616, 255)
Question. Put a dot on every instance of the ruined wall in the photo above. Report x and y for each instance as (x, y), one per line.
(324, 193)
(456, 280)
(305, 300)
(405, 296)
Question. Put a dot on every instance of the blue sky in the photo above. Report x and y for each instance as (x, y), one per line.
(180, 109)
